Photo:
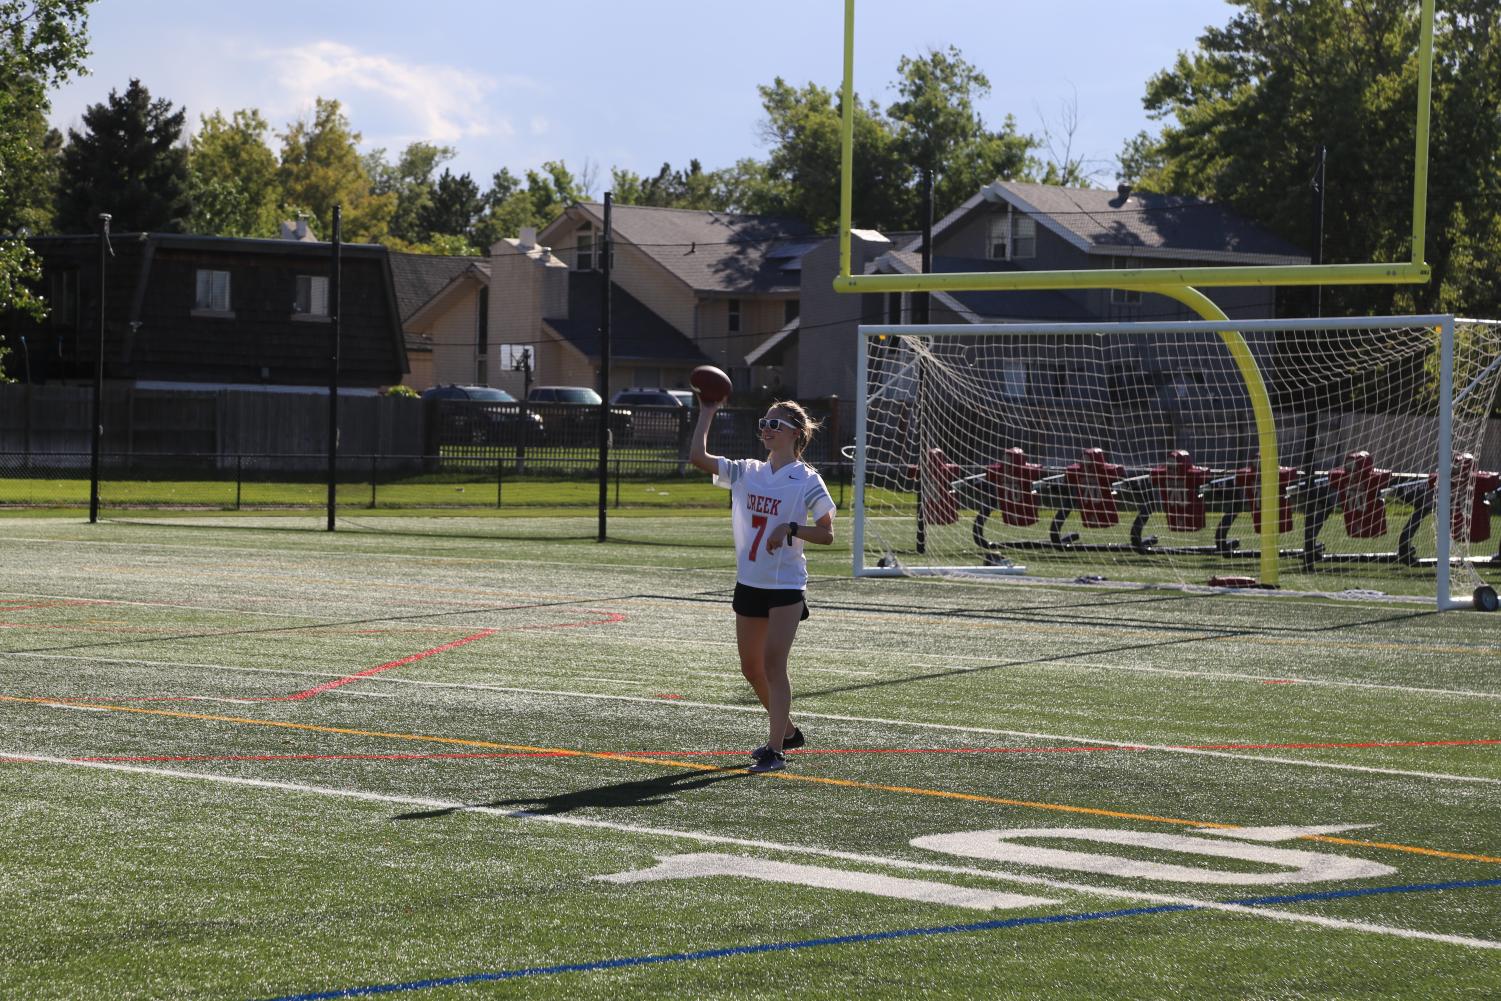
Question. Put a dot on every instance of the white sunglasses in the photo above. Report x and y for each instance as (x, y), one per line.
(775, 424)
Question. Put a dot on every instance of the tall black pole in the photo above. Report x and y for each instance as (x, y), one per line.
(333, 372)
(98, 434)
(921, 305)
(920, 299)
(604, 373)
(1320, 156)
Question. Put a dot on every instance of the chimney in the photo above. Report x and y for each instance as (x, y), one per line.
(302, 225)
(528, 240)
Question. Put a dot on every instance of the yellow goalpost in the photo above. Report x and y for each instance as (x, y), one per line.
(1175, 283)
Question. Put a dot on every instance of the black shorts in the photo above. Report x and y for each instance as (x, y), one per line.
(757, 602)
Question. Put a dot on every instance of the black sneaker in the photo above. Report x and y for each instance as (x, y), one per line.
(794, 741)
(767, 760)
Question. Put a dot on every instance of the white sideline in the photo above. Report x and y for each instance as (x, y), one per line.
(778, 847)
(808, 714)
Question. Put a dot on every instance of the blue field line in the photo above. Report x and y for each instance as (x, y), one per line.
(1299, 898)
(739, 950)
(978, 926)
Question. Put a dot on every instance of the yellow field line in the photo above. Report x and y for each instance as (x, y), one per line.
(564, 752)
(1461, 856)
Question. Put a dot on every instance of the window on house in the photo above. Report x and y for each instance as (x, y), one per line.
(213, 291)
(583, 258)
(734, 325)
(1014, 380)
(62, 298)
(1023, 237)
(1000, 237)
(312, 296)
(1120, 296)
(482, 322)
(509, 356)
(791, 309)
(1013, 237)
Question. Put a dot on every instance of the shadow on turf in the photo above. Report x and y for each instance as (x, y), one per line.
(640, 792)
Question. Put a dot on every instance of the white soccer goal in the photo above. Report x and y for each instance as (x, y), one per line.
(1140, 453)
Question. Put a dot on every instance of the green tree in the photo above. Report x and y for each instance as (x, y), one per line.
(233, 176)
(941, 134)
(130, 162)
(933, 125)
(452, 209)
(321, 167)
(1245, 111)
(693, 188)
(509, 206)
(411, 180)
(42, 44)
(803, 130)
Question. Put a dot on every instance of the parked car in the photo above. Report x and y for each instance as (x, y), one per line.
(485, 416)
(657, 416)
(638, 397)
(572, 417)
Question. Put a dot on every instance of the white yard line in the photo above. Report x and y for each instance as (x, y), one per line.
(879, 720)
(779, 848)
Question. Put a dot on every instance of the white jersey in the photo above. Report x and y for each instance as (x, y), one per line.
(762, 499)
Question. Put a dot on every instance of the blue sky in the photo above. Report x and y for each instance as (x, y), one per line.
(627, 84)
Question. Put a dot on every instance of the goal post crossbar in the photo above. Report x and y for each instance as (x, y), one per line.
(1256, 395)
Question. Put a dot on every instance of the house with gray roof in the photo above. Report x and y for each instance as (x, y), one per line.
(687, 288)
(1014, 226)
(444, 307)
(705, 287)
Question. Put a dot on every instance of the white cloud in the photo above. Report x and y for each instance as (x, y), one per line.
(402, 100)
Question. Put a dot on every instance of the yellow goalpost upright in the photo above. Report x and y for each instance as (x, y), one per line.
(1180, 284)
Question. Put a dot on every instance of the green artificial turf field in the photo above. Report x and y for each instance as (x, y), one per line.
(475, 758)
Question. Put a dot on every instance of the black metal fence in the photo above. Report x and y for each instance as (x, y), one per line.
(468, 455)
(279, 480)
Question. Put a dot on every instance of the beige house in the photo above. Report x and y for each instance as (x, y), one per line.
(718, 285)
(687, 288)
(444, 312)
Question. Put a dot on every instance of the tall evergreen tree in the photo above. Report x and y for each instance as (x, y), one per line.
(410, 179)
(452, 208)
(129, 162)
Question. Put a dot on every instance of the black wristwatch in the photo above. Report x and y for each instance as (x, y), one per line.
(792, 529)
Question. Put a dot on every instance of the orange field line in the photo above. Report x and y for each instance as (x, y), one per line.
(697, 766)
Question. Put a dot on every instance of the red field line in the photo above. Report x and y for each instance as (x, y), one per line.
(142, 758)
(610, 618)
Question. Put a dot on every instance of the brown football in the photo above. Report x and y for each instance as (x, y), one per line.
(711, 384)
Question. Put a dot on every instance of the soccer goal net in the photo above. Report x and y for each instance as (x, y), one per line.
(1146, 453)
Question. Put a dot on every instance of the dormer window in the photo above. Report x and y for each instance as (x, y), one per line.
(1013, 237)
(211, 296)
(312, 297)
(1023, 237)
(583, 258)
